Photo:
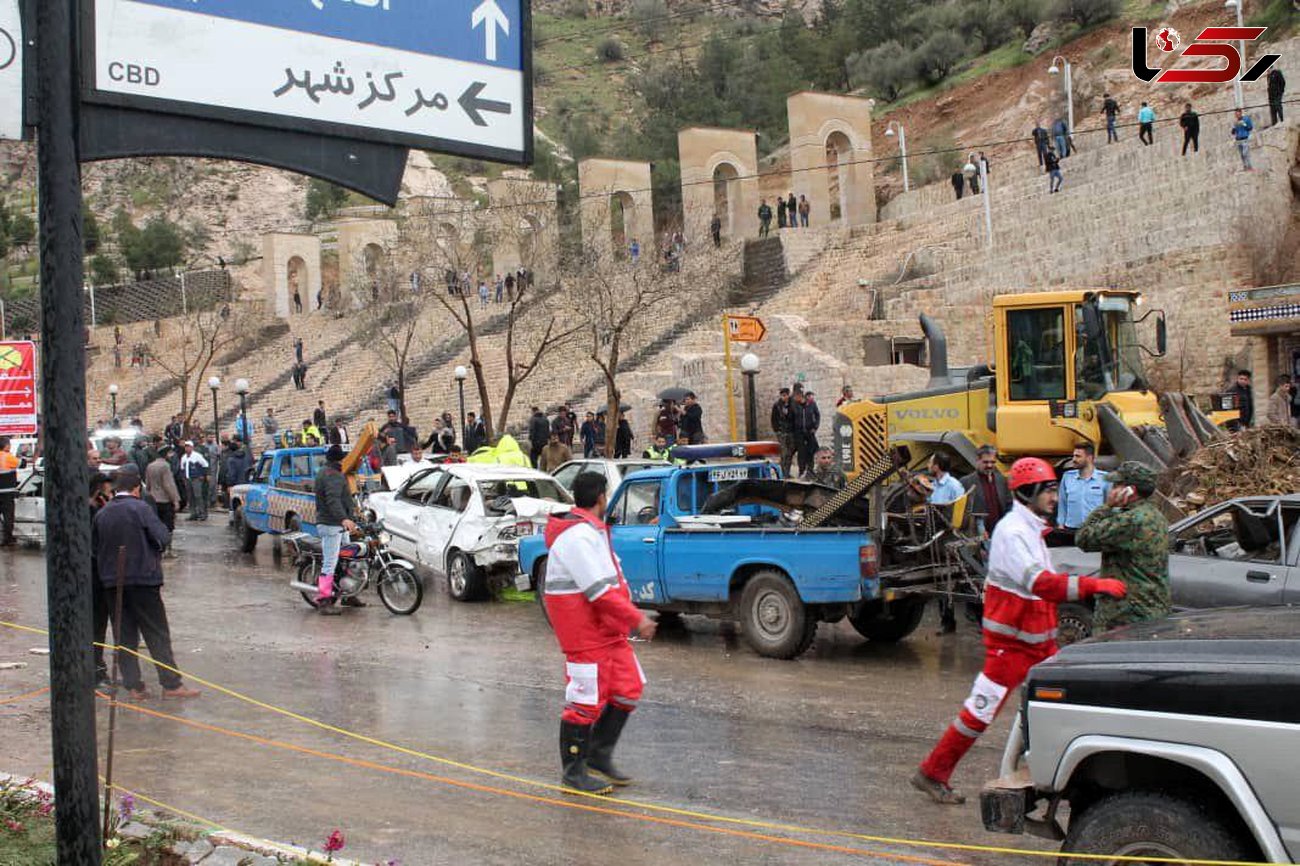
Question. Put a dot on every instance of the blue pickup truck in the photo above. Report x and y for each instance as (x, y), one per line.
(746, 562)
(278, 496)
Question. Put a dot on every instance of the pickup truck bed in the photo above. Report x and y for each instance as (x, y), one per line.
(778, 581)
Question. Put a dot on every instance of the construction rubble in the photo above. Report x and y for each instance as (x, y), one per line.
(1260, 461)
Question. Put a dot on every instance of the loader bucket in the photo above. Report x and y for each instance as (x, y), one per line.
(1128, 443)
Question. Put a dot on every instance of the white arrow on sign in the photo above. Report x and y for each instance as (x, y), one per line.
(490, 14)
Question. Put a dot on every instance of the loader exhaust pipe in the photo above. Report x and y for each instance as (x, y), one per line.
(938, 351)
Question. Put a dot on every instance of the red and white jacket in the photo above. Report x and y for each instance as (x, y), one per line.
(1021, 591)
(587, 599)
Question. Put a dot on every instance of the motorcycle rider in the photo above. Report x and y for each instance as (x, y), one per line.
(1020, 597)
(334, 510)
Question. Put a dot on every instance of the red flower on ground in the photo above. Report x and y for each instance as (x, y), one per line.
(335, 842)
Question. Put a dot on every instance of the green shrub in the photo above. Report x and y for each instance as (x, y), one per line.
(650, 18)
(884, 70)
(938, 54)
(104, 270)
(610, 50)
(324, 198)
(1025, 14)
(1085, 13)
(22, 230)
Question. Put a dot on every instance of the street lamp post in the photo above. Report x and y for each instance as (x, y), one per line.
(1235, 5)
(902, 147)
(461, 375)
(246, 427)
(1068, 82)
(112, 396)
(974, 165)
(214, 383)
(749, 369)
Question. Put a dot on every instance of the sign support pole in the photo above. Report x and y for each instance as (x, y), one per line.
(63, 398)
(731, 396)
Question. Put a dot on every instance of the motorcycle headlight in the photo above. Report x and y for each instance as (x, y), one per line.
(385, 538)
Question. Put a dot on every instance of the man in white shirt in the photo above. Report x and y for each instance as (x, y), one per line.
(194, 468)
(591, 611)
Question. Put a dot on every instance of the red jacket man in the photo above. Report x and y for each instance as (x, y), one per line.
(1020, 597)
(591, 610)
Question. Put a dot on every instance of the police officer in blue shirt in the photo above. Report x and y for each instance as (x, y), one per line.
(1082, 489)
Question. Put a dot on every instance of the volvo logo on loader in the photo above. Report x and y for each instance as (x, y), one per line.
(927, 414)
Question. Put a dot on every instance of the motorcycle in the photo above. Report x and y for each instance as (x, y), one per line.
(360, 563)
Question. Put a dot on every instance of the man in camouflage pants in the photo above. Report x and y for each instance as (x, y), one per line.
(1133, 538)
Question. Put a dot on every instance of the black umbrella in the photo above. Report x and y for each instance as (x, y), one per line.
(676, 393)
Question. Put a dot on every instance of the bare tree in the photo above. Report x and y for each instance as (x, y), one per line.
(457, 250)
(388, 319)
(202, 335)
(620, 302)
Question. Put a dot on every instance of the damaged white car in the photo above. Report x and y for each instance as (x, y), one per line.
(465, 520)
(29, 509)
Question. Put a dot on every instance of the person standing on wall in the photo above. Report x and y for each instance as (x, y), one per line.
(1276, 90)
(1190, 122)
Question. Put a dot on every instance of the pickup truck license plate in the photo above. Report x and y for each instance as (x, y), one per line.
(733, 473)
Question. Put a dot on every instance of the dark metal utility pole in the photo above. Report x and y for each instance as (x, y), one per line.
(63, 401)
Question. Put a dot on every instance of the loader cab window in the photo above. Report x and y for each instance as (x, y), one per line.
(1036, 353)
(1113, 360)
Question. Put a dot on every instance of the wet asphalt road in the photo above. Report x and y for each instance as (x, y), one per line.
(827, 741)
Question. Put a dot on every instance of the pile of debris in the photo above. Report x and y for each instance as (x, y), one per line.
(1262, 461)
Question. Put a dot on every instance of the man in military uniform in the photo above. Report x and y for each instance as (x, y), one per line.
(1133, 538)
(824, 471)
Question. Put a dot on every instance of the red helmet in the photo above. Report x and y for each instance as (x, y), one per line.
(1030, 470)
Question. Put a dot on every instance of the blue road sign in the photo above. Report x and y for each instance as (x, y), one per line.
(447, 75)
(441, 28)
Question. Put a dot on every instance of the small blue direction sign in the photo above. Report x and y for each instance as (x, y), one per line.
(450, 75)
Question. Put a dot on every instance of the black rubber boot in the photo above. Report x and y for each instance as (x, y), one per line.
(604, 737)
(575, 740)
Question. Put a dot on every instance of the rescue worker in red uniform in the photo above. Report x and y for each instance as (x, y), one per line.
(1020, 596)
(591, 610)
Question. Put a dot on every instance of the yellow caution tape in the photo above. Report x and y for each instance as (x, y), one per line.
(654, 807)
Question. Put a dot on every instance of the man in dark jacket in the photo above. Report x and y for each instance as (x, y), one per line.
(1190, 122)
(1276, 89)
(990, 498)
(140, 455)
(782, 429)
(129, 529)
(1244, 396)
(318, 416)
(1041, 137)
(475, 433)
(692, 425)
(394, 427)
(805, 418)
(101, 493)
(334, 511)
(539, 433)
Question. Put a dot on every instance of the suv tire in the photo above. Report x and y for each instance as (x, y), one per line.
(1152, 824)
